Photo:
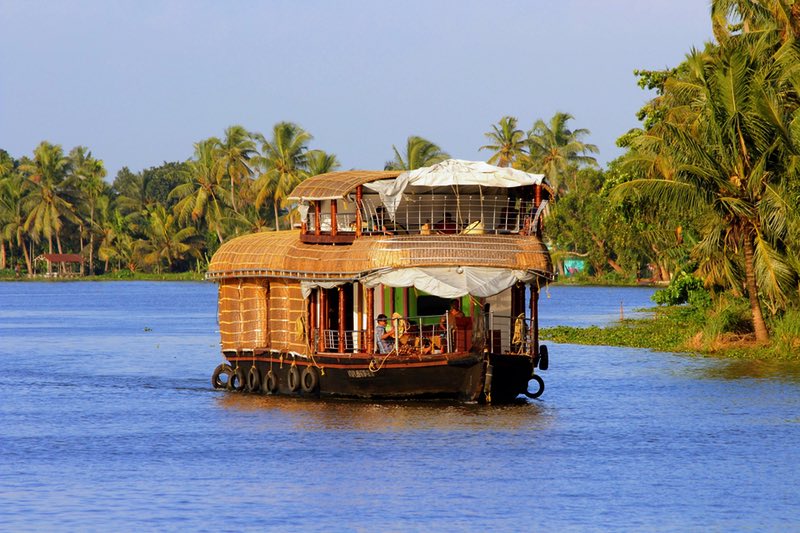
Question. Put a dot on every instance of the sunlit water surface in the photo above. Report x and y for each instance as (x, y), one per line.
(108, 422)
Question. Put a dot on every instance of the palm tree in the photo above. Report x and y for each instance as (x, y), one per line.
(557, 151)
(730, 16)
(48, 202)
(507, 142)
(727, 132)
(88, 173)
(321, 162)
(202, 198)
(13, 188)
(234, 153)
(117, 243)
(419, 153)
(166, 241)
(284, 165)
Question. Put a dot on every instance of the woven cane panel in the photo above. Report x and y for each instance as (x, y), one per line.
(242, 314)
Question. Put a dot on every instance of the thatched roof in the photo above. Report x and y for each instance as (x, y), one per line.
(281, 254)
(335, 185)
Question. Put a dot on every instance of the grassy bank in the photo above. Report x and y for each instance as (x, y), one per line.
(678, 329)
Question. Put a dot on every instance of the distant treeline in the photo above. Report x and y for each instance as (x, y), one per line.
(706, 195)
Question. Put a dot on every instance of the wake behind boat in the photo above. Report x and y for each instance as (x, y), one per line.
(418, 284)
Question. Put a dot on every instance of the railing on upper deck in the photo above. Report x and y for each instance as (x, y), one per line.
(438, 214)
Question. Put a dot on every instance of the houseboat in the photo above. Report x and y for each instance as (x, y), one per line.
(394, 285)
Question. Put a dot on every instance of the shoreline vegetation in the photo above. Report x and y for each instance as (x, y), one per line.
(706, 196)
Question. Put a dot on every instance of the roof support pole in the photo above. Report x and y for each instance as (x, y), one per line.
(359, 202)
(334, 225)
(537, 201)
(323, 318)
(312, 318)
(342, 344)
(534, 347)
(317, 222)
(370, 340)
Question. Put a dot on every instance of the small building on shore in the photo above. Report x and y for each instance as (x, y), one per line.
(64, 264)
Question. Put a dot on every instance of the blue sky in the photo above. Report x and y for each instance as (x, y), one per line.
(139, 82)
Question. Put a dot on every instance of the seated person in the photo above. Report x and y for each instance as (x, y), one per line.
(383, 338)
(451, 314)
(426, 347)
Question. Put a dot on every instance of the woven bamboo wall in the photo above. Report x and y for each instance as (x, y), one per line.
(286, 307)
(242, 314)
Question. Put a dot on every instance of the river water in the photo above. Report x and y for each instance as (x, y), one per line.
(108, 422)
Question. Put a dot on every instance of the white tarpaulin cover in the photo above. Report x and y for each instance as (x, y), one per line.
(451, 282)
(452, 172)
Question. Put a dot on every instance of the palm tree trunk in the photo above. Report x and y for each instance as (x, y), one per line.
(275, 208)
(91, 240)
(2, 254)
(760, 327)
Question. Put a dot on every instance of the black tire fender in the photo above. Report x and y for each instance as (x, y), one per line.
(253, 379)
(544, 358)
(310, 379)
(238, 380)
(222, 369)
(294, 379)
(539, 392)
(269, 384)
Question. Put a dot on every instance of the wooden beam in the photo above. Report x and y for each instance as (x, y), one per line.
(323, 318)
(312, 319)
(359, 203)
(534, 348)
(334, 224)
(370, 320)
(317, 222)
(342, 343)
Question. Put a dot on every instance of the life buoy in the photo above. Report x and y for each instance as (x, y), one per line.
(539, 392)
(238, 380)
(294, 379)
(310, 379)
(222, 370)
(253, 379)
(544, 358)
(270, 383)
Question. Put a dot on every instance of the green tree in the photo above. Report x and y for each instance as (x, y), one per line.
(87, 176)
(235, 151)
(419, 153)
(48, 203)
(320, 162)
(165, 241)
(507, 142)
(730, 134)
(557, 151)
(202, 198)
(283, 163)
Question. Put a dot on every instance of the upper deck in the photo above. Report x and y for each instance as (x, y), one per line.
(451, 198)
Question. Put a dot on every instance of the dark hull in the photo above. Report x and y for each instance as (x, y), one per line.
(462, 377)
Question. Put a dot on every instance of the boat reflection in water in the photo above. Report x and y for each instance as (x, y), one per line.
(336, 414)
